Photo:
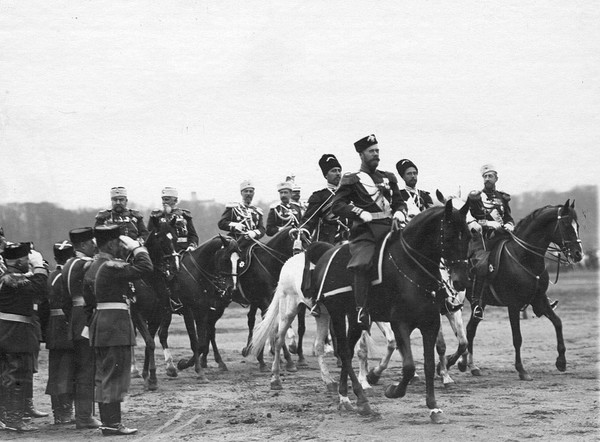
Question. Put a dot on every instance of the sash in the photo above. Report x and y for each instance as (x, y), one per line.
(374, 192)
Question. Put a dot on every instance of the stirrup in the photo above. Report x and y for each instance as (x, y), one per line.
(363, 317)
(554, 304)
(315, 310)
(175, 305)
(478, 312)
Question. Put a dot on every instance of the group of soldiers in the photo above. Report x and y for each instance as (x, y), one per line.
(88, 331)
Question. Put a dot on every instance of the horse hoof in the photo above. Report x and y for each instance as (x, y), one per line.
(394, 392)
(364, 409)
(202, 379)
(293, 348)
(263, 368)
(346, 406)
(525, 377)
(476, 372)
(245, 352)
(438, 417)
(152, 385)
(302, 363)
(182, 364)
(332, 387)
(172, 372)
(223, 367)
(276, 385)
(462, 367)
(290, 367)
(144, 375)
(561, 365)
(373, 378)
(135, 373)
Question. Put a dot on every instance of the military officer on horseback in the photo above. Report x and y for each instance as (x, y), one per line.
(491, 221)
(130, 221)
(243, 221)
(284, 213)
(416, 200)
(371, 199)
(181, 219)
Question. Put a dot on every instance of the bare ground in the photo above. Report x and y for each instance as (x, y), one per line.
(238, 405)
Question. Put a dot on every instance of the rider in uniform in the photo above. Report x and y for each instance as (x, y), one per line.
(243, 221)
(491, 221)
(111, 331)
(370, 198)
(21, 286)
(60, 385)
(416, 200)
(297, 198)
(130, 221)
(284, 213)
(73, 273)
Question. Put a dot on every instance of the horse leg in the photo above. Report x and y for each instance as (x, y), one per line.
(430, 331)
(455, 320)
(285, 320)
(334, 344)
(402, 334)
(149, 363)
(548, 312)
(363, 361)
(201, 319)
(163, 333)
(190, 326)
(362, 403)
(514, 314)
(442, 369)
(466, 360)
(301, 331)
(322, 331)
(375, 373)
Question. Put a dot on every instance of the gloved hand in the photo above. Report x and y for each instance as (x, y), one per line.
(36, 259)
(400, 216)
(251, 234)
(128, 242)
(366, 216)
(475, 226)
(509, 227)
(190, 248)
(239, 227)
(494, 224)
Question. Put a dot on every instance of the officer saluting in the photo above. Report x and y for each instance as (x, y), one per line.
(370, 198)
(181, 219)
(243, 221)
(416, 200)
(130, 221)
(111, 331)
(284, 213)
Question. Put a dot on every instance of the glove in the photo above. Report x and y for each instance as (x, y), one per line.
(509, 227)
(474, 225)
(366, 216)
(400, 216)
(190, 248)
(237, 226)
(494, 225)
(251, 234)
(129, 243)
(36, 259)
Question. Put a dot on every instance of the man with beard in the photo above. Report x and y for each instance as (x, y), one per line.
(371, 199)
(181, 219)
(416, 200)
(130, 221)
(284, 213)
(111, 331)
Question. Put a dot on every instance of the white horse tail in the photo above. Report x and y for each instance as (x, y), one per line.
(267, 326)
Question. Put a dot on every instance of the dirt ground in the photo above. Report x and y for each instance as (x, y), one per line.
(238, 405)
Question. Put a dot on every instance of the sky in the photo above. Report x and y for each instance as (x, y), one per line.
(200, 95)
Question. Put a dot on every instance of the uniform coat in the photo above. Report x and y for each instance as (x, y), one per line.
(181, 219)
(131, 222)
(320, 220)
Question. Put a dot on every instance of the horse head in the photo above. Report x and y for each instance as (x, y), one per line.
(226, 260)
(455, 243)
(161, 248)
(566, 232)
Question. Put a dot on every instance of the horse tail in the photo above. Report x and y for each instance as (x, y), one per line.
(268, 325)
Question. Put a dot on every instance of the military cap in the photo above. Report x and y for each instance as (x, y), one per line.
(296, 188)
(104, 234)
(487, 168)
(81, 234)
(116, 192)
(170, 191)
(246, 184)
(403, 165)
(365, 143)
(328, 162)
(63, 251)
(285, 185)
(16, 250)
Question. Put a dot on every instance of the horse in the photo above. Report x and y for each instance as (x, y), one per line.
(205, 284)
(520, 277)
(408, 296)
(149, 312)
(258, 278)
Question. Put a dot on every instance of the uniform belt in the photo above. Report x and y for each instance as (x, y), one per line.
(182, 239)
(111, 306)
(56, 312)
(380, 215)
(16, 318)
(78, 302)
(35, 307)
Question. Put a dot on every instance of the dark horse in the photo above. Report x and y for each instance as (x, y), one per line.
(258, 279)
(149, 311)
(409, 295)
(205, 284)
(520, 277)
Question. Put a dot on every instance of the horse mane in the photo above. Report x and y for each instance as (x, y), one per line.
(276, 239)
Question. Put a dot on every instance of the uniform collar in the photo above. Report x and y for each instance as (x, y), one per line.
(104, 255)
(411, 189)
(332, 187)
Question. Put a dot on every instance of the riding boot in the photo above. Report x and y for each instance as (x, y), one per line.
(553, 304)
(111, 421)
(15, 413)
(62, 409)
(361, 290)
(30, 410)
(476, 307)
(84, 407)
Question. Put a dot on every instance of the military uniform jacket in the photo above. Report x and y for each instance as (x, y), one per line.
(494, 207)
(250, 216)
(320, 220)
(73, 273)
(107, 281)
(281, 216)
(131, 222)
(18, 293)
(58, 333)
(181, 220)
(416, 201)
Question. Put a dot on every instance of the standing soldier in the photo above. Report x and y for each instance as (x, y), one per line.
(181, 219)
(416, 200)
(73, 273)
(18, 338)
(283, 214)
(370, 198)
(111, 331)
(58, 341)
(243, 221)
(130, 221)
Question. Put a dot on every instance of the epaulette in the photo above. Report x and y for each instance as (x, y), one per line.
(475, 195)
(156, 213)
(349, 178)
(274, 205)
(424, 191)
(505, 196)
(103, 214)
(116, 264)
(136, 213)
(390, 176)
(259, 210)
(186, 212)
(231, 205)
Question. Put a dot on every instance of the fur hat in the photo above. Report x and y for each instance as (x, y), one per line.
(81, 234)
(63, 251)
(285, 185)
(365, 142)
(104, 234)
(328, 162)
(403, 165)
(16, 250)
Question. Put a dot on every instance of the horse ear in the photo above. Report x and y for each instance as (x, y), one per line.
(223, 240)
(448, 210)
(440, 196)
(566, 206)
(573, 204)
(464, 209)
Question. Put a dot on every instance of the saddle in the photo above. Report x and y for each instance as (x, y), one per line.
(245, 260)
(494, 260)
